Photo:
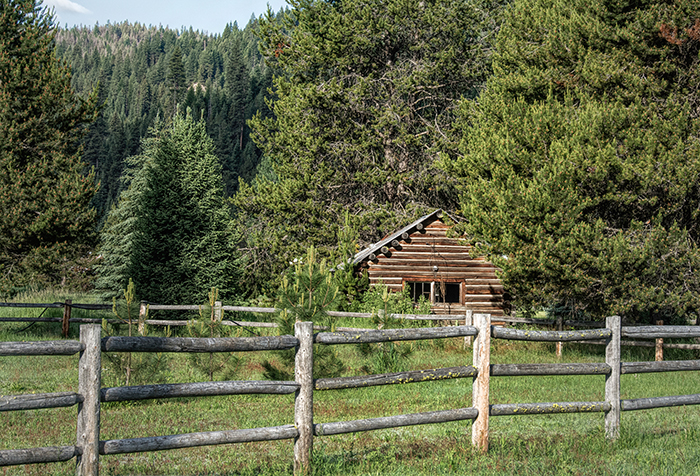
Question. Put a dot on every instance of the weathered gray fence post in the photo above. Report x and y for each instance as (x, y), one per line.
(480, 386)
(304, 397)
(659, 357)
(218, 311)
(89, 372)
(612, 381)
(468, 321)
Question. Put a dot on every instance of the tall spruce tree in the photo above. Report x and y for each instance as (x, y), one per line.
(46, 224)
(171, 231)
(363, 90)
(580, 164)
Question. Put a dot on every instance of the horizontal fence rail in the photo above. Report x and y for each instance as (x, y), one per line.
(381, 423)
(197, 389)
(303, 429)
(45, 347)
(504, 409)
(190, 440)
(197, 344)
(549, 336)
(39, 400)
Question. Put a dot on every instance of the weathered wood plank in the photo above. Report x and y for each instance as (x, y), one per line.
(38, 400)
(512, 370)
(31, 304)
(665, 366)
(387, 335)
(189, 440)
(549, 336)
(44, 347)
(304, 398)
(654, 332)
(267, 310)
(502, 409)
(612, 380)
(337, 428)
(412, 376)
(481, 384)
(659, 402)
(197, 389)
(48, 454)
(195, 344)
(89, 383)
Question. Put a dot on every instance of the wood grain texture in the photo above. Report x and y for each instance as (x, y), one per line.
(45, 347)
(412, 376)
(39, 400)
(197, 389)
(337, 428)
(49, 454)
(197, 344)
(388, 335)
(189, 440)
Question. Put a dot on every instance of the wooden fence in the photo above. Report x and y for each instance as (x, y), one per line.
(88, 446)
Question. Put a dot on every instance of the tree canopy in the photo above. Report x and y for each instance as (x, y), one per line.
(171, 230)
(580, 163)
(362, 93)
(46, 223)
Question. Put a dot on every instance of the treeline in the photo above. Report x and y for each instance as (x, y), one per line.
(563, 137)
(142, 73)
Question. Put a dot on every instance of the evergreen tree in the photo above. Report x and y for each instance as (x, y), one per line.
(46, 224)
(173, 224)
(362, 93)
(581, 161)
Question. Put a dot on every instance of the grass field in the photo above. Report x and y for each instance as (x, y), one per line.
(655, 442)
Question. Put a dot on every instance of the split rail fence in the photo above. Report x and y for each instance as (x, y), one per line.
(302, 430)
(559, 324)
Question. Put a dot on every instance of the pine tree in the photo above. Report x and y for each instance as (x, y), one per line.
(172, 229)
(361, 95)
(581, 161)
(46, 224)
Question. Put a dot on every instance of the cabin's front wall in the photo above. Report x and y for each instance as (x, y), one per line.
(429, 256)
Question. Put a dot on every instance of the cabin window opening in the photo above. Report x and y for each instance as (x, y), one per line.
(435, 292)
(418, 289)
(447, 293)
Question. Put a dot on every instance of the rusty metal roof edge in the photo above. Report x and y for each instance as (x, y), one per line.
(362, 255)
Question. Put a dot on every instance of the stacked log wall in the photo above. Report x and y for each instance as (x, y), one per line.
(415, 259)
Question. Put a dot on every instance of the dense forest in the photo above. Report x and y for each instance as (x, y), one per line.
(562, 137)
(142, 73)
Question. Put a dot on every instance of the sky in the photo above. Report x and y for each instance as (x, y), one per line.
(204, 15)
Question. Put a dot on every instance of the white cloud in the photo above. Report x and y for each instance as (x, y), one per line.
(66, 6)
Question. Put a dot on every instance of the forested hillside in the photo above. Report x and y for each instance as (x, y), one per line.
(145, 72)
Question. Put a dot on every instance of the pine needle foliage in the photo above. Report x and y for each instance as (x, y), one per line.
(46, 224)
(132, 368)
(308, 290)
(580, 163)
(209, 324)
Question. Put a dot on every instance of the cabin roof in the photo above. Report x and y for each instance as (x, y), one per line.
(376, 248)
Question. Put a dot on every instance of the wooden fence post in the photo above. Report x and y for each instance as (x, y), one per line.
(468, 321)
(218, 311)
(88, 428)
(612, 381)
(659, 345)
(480, 386)
(560, 327)
(66, 317)
(143, 311)
(304, 397)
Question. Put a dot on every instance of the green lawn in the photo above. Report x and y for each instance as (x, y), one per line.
(660, 441)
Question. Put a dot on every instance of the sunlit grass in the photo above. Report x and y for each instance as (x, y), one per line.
(661, 441)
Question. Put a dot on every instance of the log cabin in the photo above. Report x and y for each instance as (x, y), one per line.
(422, 258)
